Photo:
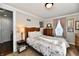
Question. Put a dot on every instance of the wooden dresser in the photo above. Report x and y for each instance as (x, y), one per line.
(77, 40)
(48, 32)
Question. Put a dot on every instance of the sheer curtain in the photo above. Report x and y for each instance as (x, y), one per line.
(59, 29)
(63, 24)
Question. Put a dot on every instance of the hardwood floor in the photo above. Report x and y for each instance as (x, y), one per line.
(6, 48)
(71, 51)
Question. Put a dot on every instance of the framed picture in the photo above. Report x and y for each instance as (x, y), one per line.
(70, 25)
(77, 25)
(41, 24)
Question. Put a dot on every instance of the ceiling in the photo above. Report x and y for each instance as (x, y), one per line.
(39, 9)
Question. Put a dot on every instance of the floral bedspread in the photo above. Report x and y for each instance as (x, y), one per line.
(49, 46)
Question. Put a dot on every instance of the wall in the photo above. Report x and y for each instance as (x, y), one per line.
(77, 19)
(21, 22)
(46, 21)
(70, 37)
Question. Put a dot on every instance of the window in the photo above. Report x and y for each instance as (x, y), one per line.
(59, 29)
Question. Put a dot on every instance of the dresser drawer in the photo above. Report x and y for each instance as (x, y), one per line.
(48, 32)
(77, 47)
(76, 41)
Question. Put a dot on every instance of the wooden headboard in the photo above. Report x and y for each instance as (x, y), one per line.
(30, 30)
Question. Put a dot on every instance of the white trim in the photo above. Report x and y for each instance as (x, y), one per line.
(6, 7)
(64, 16)
(26, 13)
(14, 33)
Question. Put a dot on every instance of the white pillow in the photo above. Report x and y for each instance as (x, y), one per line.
(34, 34)
(38, 33)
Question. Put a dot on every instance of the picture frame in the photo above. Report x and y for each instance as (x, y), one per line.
(41, 24)
(70, 25)
(29, 20)
(76, 25)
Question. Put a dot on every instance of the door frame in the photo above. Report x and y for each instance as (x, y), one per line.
(4, 6)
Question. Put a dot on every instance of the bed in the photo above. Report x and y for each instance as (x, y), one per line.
(48, 46)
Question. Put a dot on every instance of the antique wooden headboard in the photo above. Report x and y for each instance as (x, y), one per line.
(30, 30)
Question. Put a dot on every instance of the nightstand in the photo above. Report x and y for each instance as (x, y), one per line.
(21, 45)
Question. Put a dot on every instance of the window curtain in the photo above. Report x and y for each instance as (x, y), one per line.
(63, 24)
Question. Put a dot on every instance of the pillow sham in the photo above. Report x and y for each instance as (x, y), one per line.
(34, 34)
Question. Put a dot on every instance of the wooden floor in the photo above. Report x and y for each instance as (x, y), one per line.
(71, 51)
(6, 48)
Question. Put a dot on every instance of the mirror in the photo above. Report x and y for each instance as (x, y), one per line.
(49, 26)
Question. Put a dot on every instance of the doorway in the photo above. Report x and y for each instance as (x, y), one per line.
(6, 32)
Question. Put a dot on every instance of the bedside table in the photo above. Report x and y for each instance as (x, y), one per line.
(21, 45)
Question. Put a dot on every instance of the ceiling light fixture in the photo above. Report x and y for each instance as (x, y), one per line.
(5, 15)
(48, 5)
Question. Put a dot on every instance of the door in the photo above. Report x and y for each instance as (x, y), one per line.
(0, 27)
(6, 28)
(0, 33)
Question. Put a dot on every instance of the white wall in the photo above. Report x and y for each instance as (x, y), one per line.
(70, 35)
(46, 21)
(21, 22)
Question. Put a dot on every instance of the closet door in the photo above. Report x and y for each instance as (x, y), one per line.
(0, 33)
(0, 28)
(6, 28)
